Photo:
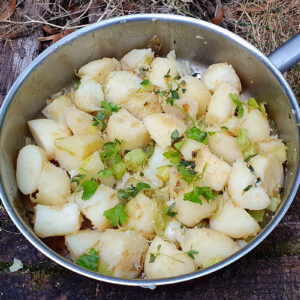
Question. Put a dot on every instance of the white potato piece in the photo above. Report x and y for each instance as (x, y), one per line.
(66, 160)
(188, 104)
(124, 252)
(190, 148)
(240, 178)
(125, 127)
(210, 244)
(190, 213)
(89, 95)
(79, 122)
(119, 85)
(234, 221)
(183, 66)
(159, 69)
(273, 146)
(104, 198)
(91, 165)
(269, 169)
(57, 107)
(196, 89)
(217, 171)
(225, 146)
(233, 124)
(79, 242)
(257, 126)
(53, 185)
(221, 107)
(136, 59)
(142, 104)
(30, 163)
(217, 74)
(45, 132)
(56, 220)
(81, 145)
(160, 126)
(150, 171)
(140, 215)
(174, 231)
(170, 261)
(99, 69)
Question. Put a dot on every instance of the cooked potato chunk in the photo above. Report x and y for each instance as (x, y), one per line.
(79, 242)
(79, 122)
(119, 85)
(160, 68)
(190, 213)
(190, 148)
(234, 221)
(125, 127)
(137, 58)
(233, 124)
(196, 89)
(56, 108)
(174, 231)
(221, 107)
(168, 260)
(241, 187)
(257, 126)
(142, 104)
(89, 95)
(225, 146)
(124, 252)
(91, 165)
(140, 215)
(210, 244)
(99, 69)
(216, 172)
(269, 169)
(66, 160)
(273, 146)
(53, 185)
(81, 145)
(161, 126)
(30, 163)
(217, 74)
(56, 220)
(104, 198)
(150, 172)
(45, 132)
(189, 105)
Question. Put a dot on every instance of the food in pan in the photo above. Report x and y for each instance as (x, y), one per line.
(172, 173)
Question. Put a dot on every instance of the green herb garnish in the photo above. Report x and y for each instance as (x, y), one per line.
(147, 85)
(173, 156)
(153, 256)
(197, 134)
(89, 261)
(170, 211)
(89, 188)
(198, 192)
(132, 191)
(117, 215)
(191, 253)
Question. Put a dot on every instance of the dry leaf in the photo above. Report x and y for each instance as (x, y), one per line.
(50, 30)
(55, 37)
(9, 11)
(217, 19)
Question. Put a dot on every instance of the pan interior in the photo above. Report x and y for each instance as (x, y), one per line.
(198, 44)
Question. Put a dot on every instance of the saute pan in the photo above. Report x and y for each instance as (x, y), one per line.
(197, 41)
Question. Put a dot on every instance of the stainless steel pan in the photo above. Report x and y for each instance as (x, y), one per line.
(201, 43)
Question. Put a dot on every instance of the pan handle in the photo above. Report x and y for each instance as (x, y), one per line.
(287, 55)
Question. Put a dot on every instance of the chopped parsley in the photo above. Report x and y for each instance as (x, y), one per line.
(252, 102)
(89, 261)
(198, 192)
(89, 188)
(191, 253)
(173, 156)
(132, 192)
(175, 135)
(187, 174)
(104, 114)
(195, 133)
(105, 173)
(246, 189)
(153, 256)
(117, 215)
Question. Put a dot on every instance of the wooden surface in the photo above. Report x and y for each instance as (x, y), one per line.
(271, 271)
